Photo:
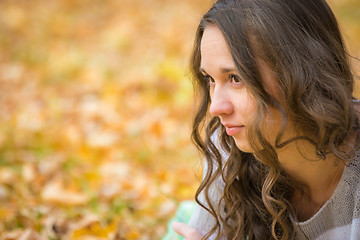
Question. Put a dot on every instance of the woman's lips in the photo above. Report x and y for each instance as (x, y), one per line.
(231, 131)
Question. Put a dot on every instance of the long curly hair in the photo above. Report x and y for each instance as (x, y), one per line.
(301, 42)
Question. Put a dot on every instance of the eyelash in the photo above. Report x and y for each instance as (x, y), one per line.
(233, 78)
(208, 79)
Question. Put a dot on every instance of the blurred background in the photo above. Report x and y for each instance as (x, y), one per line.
(95, 115)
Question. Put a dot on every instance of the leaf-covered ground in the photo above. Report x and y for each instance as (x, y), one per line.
(95, 115)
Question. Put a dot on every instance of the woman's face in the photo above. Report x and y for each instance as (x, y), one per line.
(230, 99)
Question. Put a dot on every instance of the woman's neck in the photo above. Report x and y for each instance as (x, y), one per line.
(307, 201)
(318, 177)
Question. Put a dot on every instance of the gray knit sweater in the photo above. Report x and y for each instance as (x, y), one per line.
(337, 219)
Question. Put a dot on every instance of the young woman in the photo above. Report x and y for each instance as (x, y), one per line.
(281, 137)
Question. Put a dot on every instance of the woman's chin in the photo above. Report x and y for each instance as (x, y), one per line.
(243, 146)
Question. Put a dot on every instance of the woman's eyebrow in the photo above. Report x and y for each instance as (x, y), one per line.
(227, 69)
(222, 70)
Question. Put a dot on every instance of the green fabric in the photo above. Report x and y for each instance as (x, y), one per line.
(183, 214)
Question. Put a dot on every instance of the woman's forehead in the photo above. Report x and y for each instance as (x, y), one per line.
(214, 50)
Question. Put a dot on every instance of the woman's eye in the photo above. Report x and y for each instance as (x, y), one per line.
(208, 79)
(235, 79)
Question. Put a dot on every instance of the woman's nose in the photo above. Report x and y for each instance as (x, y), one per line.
(220, 103)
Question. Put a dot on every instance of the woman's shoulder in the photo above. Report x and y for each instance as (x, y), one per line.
(351, 176)
(353, 167)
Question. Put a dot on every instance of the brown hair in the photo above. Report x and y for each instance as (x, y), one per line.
(301, 42)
